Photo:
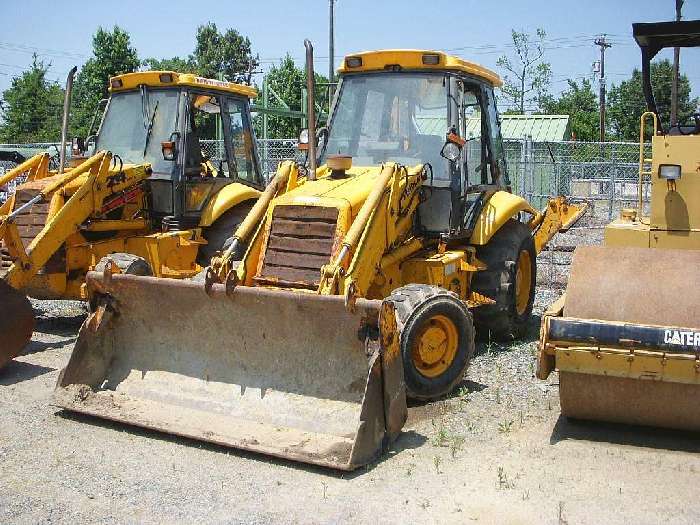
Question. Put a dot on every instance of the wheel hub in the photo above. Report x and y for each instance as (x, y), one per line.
(436, 346)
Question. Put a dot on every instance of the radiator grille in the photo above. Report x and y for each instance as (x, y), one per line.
(300, 243)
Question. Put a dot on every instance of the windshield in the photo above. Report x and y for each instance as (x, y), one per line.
(125, 128)
(399, 117)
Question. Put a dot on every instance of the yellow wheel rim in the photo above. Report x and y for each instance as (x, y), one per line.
(436, 346)
(523, 282)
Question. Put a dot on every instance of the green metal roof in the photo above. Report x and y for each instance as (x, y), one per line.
(542, 128)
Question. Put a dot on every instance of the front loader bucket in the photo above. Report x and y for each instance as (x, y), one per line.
(628, 341)
(16, 322)
(290, 374)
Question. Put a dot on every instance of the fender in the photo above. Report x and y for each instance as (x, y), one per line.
(227, 197)
(495, 213)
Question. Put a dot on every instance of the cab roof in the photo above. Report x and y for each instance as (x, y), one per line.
(416, 59)
(171, 78)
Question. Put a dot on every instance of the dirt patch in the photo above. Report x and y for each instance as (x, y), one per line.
(496, 451)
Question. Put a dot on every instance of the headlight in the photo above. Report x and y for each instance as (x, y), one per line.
(669, 171)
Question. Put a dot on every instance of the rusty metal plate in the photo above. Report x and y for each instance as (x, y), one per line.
(634, 285)
(16, 322)
(284, 373)
(631, 401)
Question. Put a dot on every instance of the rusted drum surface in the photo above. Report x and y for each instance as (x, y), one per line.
(639, 286)
(631, 401)
(634, 285)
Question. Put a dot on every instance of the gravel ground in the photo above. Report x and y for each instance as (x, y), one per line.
(496, 451)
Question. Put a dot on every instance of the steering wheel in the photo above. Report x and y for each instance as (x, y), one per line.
(696, 129)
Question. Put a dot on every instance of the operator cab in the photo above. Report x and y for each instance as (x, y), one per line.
(408, 107)
(195, 133)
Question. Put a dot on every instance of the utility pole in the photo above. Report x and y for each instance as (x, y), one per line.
(676, 68)
(601, 42)
(331, 50)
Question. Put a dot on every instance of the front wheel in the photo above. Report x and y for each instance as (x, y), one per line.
(436, 339)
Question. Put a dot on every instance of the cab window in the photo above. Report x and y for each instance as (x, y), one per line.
(206, 155)
(243, 152)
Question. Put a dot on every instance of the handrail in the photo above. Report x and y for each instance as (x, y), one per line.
(642, 159)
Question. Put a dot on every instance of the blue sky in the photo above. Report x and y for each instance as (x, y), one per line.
(476, 30)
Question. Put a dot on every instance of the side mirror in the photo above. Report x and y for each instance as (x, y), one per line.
(169, 147)
(321, 134)
(303, 144)
(452, 149)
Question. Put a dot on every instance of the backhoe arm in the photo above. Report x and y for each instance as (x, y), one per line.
(558, 216)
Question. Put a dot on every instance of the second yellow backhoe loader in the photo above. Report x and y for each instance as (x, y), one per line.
(625, 337)
(348, 285)
(150, 199)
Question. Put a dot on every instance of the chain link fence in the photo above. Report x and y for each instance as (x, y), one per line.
(603, 174)
(606, 175)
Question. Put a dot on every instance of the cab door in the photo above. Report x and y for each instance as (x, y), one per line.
(240, 142)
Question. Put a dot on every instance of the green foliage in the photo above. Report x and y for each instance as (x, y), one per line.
(112, 55)
(581, 104)
(626, 102)
(527, 76)
(287, 81)
(32, 107)
(181, 65)
(228, 54)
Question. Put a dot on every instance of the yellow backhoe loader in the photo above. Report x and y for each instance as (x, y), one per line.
(150, 199)
(625, 337)
(347, 286)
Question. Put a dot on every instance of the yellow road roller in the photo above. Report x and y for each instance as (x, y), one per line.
(625, 337)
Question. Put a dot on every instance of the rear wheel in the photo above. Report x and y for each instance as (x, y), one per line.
(436, 338)
(219, 235)
(509, 279)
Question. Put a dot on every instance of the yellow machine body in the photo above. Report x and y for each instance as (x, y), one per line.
(623, 337)
(57, 227)
(304, 351)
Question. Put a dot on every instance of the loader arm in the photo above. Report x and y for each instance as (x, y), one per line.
(383, 223)
(66, 219)
(35, 168)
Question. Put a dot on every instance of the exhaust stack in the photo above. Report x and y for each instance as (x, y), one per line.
(310, 86)
(66, 114)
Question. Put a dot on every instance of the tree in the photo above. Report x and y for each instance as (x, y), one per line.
(228, 54)
(626, 102)
(181, 65)
(32, 107)
(581, 104)
(112, 55)
(528, 76)
(287, 81)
